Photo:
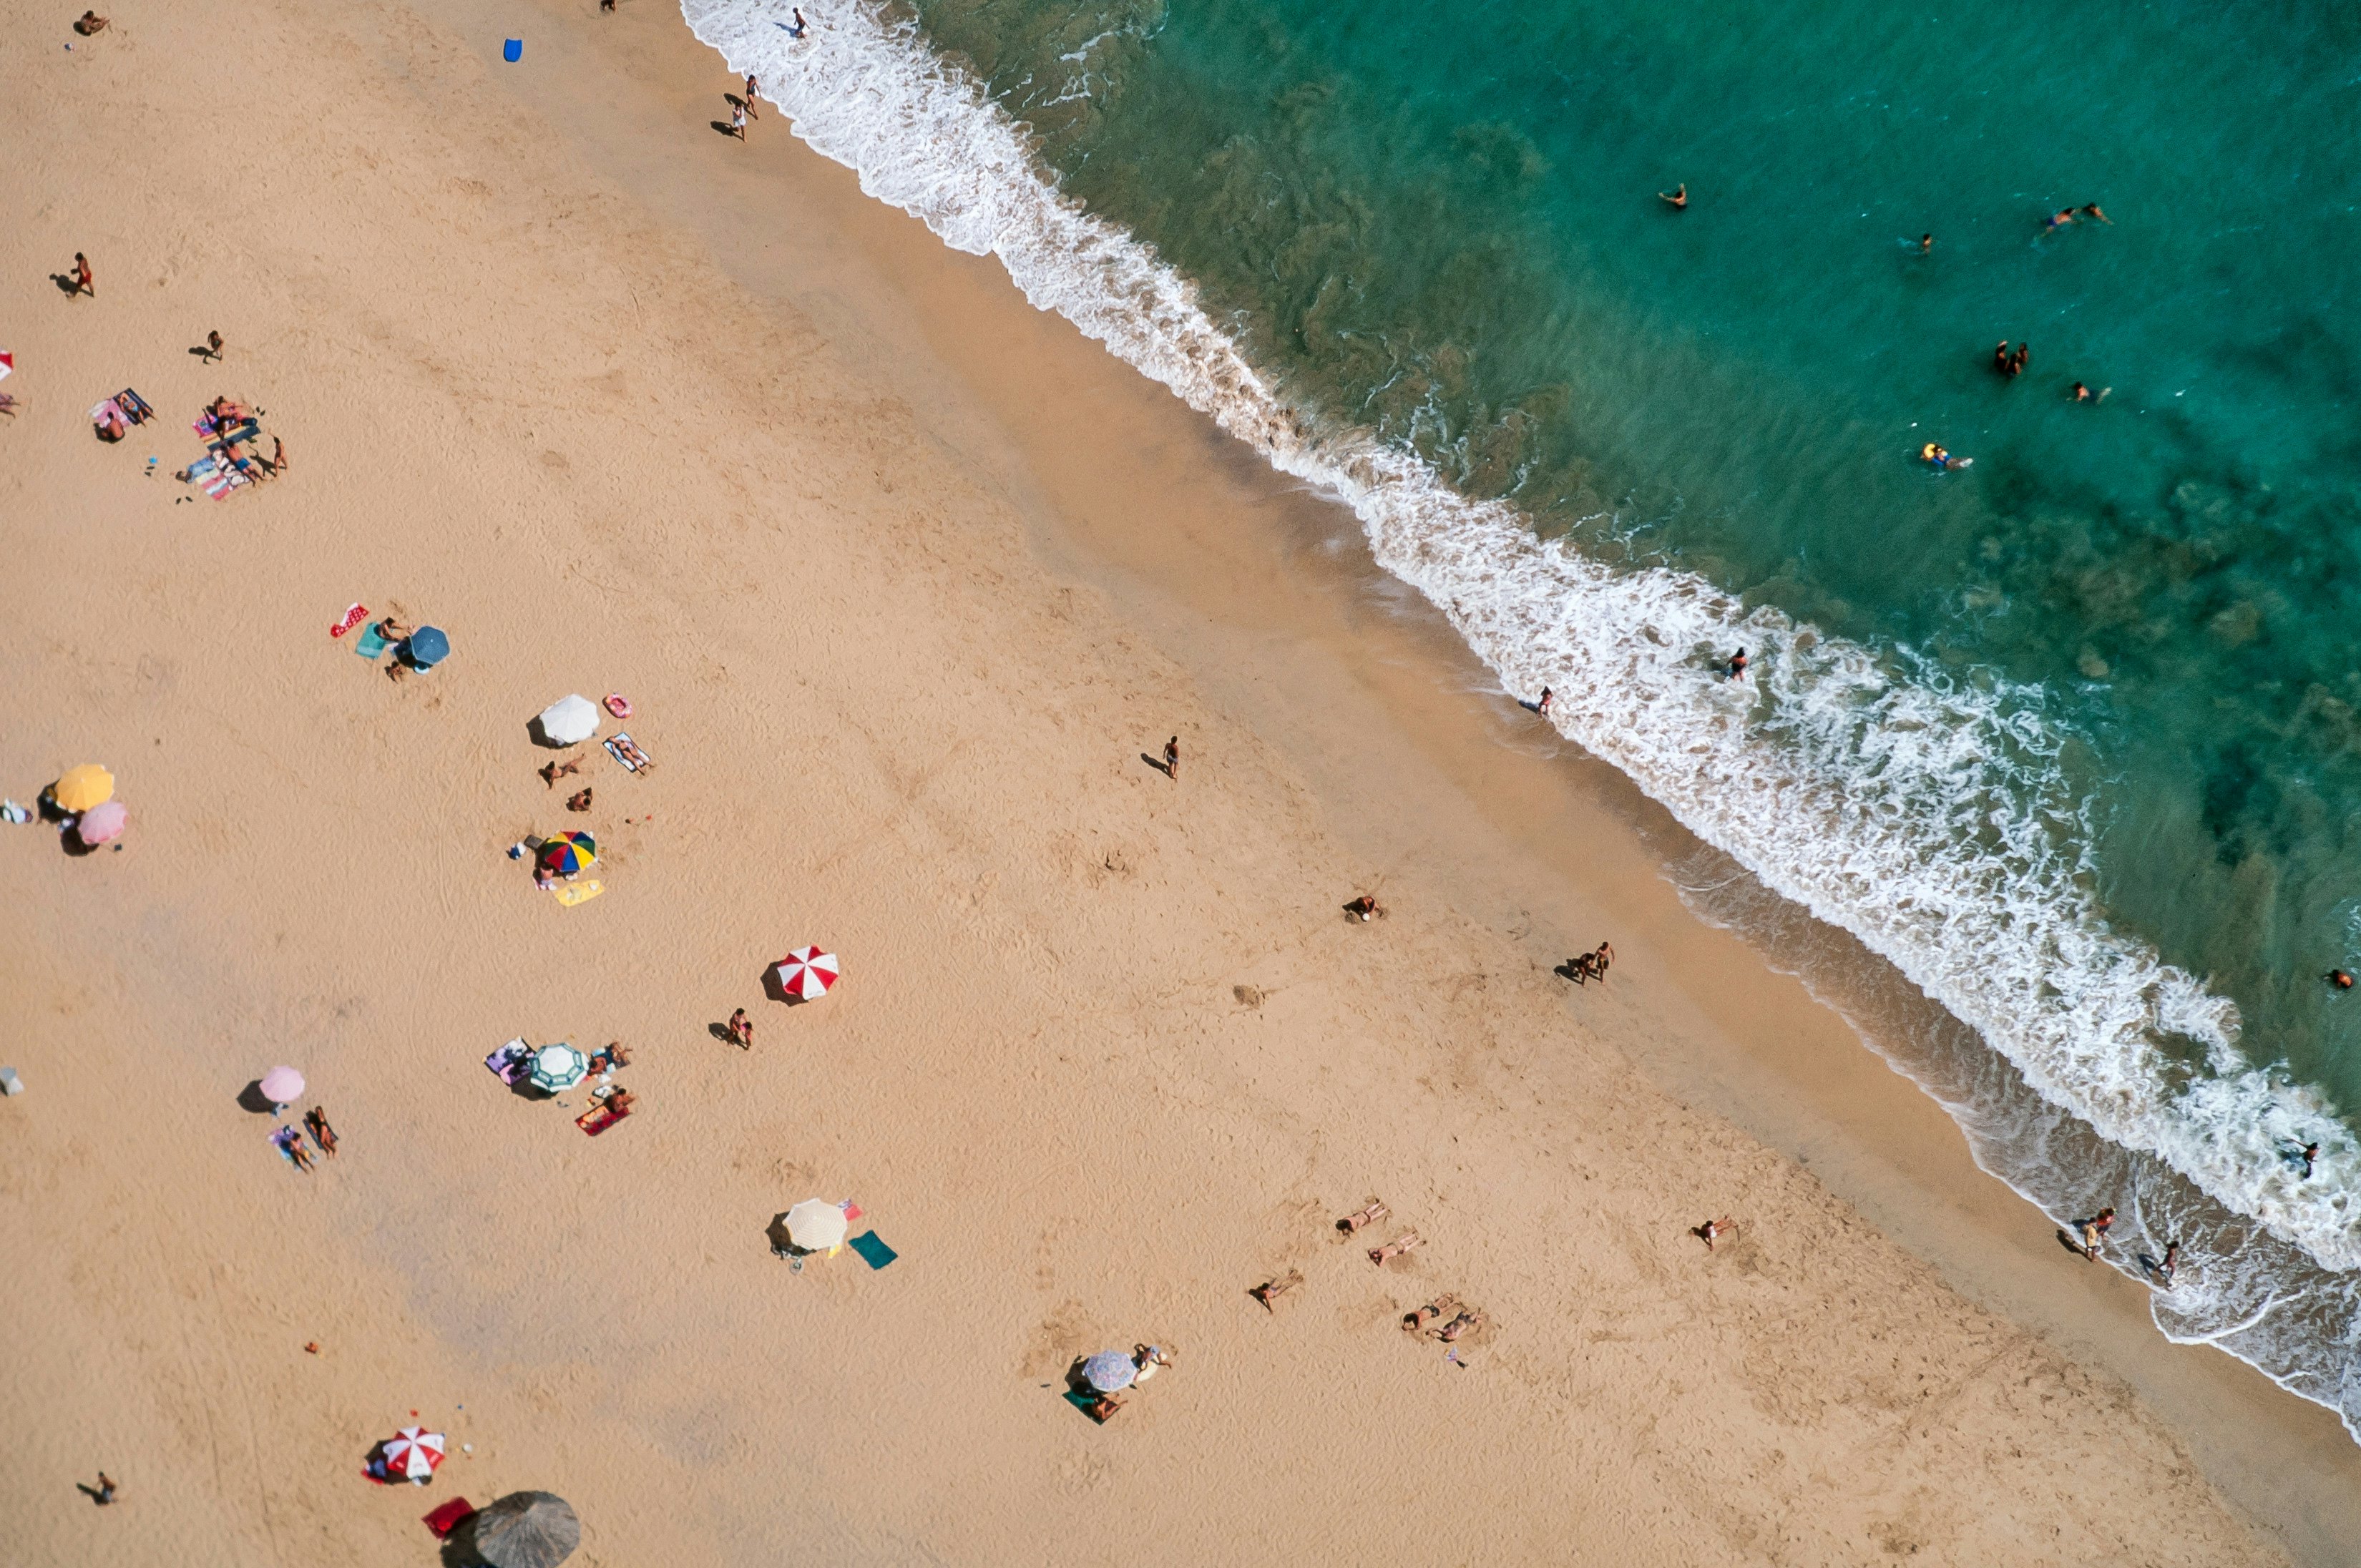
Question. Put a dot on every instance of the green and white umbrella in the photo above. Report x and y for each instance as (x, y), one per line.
(558, 1067)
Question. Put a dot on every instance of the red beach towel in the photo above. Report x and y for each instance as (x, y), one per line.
(450, 1517)
(352, 617)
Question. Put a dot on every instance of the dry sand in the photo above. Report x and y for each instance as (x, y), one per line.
(1106, 1053)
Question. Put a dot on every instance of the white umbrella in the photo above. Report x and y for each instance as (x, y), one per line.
(569, 720)
(816, 1224)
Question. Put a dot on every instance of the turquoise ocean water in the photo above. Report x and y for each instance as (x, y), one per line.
(2072, 735)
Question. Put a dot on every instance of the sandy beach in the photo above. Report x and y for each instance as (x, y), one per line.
(908, 586)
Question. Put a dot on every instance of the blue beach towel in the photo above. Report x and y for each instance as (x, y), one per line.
(513, 50)
(370, 645)
(873, 1249)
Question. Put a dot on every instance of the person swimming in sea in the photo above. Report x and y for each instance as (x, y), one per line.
(2057, 220)
(2341, 978)
(1678, 199)
(2091, 211)
(1926, 244)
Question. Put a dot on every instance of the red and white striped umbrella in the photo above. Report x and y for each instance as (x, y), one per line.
(806, 973)
(413, 1452)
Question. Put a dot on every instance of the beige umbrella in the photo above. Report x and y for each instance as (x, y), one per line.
(816, 1224)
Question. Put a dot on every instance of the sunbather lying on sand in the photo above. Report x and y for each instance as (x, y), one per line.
(1270, 1290)
(1711, 1229)
(91, 22)
(578, 801)
(1464, 1324)
(553, 771)
(1414, 1321)
(1369, 1216)
(1367, 907)
(1396, 1247)
(322, 1134)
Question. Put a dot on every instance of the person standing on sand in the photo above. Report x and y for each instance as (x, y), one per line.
(2095, 1232)
(1172, 758)
(738, 120)
(1678, 199)
(742, 1030)
(750, 97)
(82, 284)
(105, 1493)
(1603, 960)
(213, 348)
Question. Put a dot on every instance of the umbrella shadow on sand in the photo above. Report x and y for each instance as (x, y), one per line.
(251, 1098)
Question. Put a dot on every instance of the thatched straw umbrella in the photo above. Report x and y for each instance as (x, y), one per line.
(527, 1529)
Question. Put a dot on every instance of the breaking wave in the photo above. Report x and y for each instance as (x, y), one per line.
(1928, 813)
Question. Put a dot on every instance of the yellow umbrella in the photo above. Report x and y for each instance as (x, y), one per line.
(84, 787)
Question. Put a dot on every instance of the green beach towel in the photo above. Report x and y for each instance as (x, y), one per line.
(370, 645)
(873, 1249)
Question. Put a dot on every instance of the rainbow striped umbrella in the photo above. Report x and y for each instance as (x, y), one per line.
(569, 852)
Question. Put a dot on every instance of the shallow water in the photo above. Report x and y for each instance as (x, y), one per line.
(2069, 736)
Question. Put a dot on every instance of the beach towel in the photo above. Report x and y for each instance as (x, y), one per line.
(622, 748)
(450, 1517)
(574, 892)
(283, 1140)
(238, 437)
(370, 645)
(873, 1249)
(135, 407)
(198, 469)
(354, 615)
(600, 1118)
(510, 1062)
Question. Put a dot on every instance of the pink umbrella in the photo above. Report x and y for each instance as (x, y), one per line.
(413, 1452)
(806, 973)
(283, 1086)
(102, 823)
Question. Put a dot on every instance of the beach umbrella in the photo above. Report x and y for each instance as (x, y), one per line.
(84, 787)
(102, 823)
(413, 1452)
(526, 1530)
(558, 1067)
(568, 720)
(806, 973)
(1109, 1372)
(569, 852)
(816, 1224)
(428, 647)
(283, 1086)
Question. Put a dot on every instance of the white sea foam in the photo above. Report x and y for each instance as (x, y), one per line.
(1922, 810)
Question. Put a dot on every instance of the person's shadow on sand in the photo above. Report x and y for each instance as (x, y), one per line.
(93, 1493)
(724, 126)
(720, 1032)
(68, 284)
(1156, 762)
(2070, 1244)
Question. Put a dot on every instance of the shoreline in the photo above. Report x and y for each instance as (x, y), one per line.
(654, 389)
(1807, 1084)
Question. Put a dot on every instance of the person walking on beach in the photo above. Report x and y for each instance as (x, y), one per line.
(2095, 1232)
(2310, 1152)
(105, 1493)
(1678, 199)
(82, 279)
(1172, 758)
(750, 97)
(1602, 960)
(738, 119)
(213, 348)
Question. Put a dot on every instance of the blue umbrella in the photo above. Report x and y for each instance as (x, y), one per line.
(1109, 1372)
(428, 647)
